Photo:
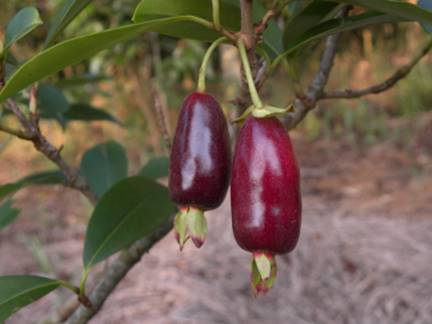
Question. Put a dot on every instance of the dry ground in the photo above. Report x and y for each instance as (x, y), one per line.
(364, 255)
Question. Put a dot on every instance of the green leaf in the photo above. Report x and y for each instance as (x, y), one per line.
(155, 168)
(334, 26)
(309, 17)
(21, 24)
(151, 9)
(400, 9)
(64, 16)
(9, 188)
(85, 112)
(132, 209)
(37, 179)
(230, 19)
(52, 103)
(104, 165)
(75, 50)
(19, 291)
(7, 213)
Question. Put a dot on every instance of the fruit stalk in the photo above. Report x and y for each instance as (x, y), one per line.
(203, 69)
(256, 100)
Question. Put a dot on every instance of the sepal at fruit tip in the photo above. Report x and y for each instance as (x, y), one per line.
(264, 272)
(190, 223)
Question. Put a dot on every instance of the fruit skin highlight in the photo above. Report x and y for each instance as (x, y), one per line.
(200, 165)
(265, 196)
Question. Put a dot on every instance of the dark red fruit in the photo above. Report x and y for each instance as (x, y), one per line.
(200, 159)
(200, 155)
(265, 195)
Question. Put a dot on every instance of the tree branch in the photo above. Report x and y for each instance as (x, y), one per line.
(306, 102)
(262, 25)
(247, 27)
(387, 84)
(15, 132)
(40, 142)
(273, 12)
(117, 271)
(247, 34)
(161, 116)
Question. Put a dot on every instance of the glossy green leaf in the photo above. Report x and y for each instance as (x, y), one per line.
(37, 179)
(52, 103)
(400, 9)
(26, 20)
(19, 291)
(64, 16)
(75, 50)
(155, 168)
(85, 112)
(7, 213)
(335, 26)
(151, 9)
(230, 19)
(104, 165)
(309, 17)
(132, 209)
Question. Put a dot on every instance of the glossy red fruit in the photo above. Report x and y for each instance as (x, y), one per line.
(201, 155)
(265, 196)
(200, 163)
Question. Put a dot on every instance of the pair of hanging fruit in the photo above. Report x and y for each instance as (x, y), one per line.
(265, 191)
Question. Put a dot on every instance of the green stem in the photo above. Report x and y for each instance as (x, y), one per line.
(84, 277)
(205, 62)
(210, 25)
(216, 14)
(202, 21)
(247, 69)
(69, 286)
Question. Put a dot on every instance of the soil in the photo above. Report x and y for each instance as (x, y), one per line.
(211, 285)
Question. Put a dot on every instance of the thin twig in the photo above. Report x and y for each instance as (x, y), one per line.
(15, 132)
(161, 116)
(387, 84)
(262, 25)
(306, 102)
(40, 142)
(273, 12)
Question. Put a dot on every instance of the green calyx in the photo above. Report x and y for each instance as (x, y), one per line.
(263, 112)
(270, 111)
(190, 223)
(264, 272)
